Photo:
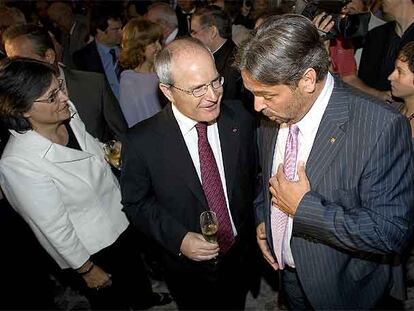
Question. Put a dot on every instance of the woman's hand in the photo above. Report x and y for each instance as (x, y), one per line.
(97, 278)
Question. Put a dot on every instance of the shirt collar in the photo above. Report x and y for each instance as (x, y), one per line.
(220, 46)
(72, 28)
(102, 48)
(172, 36)
(310, 122)
(185, 123)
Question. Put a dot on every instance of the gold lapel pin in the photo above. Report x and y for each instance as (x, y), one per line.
(332, 140)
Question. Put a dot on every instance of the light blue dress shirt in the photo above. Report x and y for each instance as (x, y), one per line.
(109, 66)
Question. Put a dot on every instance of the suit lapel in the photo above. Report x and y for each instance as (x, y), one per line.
(175, 148)
(330, 135)
(229, 132)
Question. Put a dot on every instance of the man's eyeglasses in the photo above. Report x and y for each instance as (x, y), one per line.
(195, 32)
(202, 90)
(53, 94)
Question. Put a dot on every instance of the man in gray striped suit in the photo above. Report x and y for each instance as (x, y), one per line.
(339, 209)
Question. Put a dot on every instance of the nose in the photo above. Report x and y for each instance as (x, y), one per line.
(213, 94)
(259, 103)
(63, 96)
(392, 75)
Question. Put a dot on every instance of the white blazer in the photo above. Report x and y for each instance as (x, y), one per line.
(70, 198)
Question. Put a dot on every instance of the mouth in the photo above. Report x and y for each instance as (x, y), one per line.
(209, 106)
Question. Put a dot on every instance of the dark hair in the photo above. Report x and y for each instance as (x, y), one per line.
(22, 81)
(137, 34)
(406, 54)
(38, 35)
(281, 49)
(212, 15)
(100, 17)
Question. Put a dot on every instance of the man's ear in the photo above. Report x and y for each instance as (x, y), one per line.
(214, 32)
(166, 90)
(308, 81)
(50, 56)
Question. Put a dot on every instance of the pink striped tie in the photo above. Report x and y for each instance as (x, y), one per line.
(213, 189)
(278, 218)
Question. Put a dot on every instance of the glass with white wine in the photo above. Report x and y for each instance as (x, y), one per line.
(112, 151)
(209, 226)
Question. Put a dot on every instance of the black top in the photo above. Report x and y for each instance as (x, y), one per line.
(72, 142)
(379, 54)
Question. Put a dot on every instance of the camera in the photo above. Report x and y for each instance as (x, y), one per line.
(348, 26)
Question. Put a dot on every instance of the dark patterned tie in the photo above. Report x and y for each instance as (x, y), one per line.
(213, 189)
(117, 68)
(279, 219)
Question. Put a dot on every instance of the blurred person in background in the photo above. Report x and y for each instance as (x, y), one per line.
(162, 14)
(74, 32)
(101, 54)
(139, 92)
(212, 26)
(90, 93)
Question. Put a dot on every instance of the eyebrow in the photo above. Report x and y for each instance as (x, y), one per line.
(197, 86)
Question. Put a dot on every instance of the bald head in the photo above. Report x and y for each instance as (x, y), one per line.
(162, 14)
(177, 54)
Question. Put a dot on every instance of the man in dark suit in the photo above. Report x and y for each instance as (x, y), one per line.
(169, 162)
(101, 54)
(336, 229)
(89, 91)
(74, 32)
(212, 26)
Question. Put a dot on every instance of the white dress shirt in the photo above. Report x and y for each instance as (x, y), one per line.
(308, 127)
(189, 132)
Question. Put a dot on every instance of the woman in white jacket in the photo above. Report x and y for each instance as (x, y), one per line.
(55, 176)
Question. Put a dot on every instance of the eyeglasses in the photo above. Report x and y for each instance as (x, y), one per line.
(53, 94)
(202, 90)
(195, 32)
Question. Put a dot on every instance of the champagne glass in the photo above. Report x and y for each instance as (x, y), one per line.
(209, 226)
(112, 151)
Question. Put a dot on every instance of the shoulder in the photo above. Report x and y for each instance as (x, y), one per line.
(86, 50)
(91, 76)
(365, 110)
(236, 110)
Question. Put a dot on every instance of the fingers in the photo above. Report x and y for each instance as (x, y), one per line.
(323, 22)
(266, 254)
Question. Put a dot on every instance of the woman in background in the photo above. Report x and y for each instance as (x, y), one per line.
(139, 93)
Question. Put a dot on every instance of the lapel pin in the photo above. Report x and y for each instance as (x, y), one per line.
(235, 130)
(332, 140)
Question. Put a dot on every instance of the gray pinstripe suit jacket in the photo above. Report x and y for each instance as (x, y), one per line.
(349, 230)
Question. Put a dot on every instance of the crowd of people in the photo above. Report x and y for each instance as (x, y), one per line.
(292, 121)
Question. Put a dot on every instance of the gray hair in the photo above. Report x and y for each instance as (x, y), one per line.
(213, 15)
(164, 58)
(164, 14)
(281, 50)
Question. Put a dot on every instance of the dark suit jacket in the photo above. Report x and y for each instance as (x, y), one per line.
(350, 228)
(88, 58)
(162, 194)
(224, 59)
(161, 190)
(95, 103)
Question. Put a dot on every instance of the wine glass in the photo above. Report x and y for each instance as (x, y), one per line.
(112, 151)
(209, 226)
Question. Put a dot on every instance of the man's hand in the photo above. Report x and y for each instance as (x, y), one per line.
(286, 194)
(195, 247)
(261, 240)
(323, 22)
